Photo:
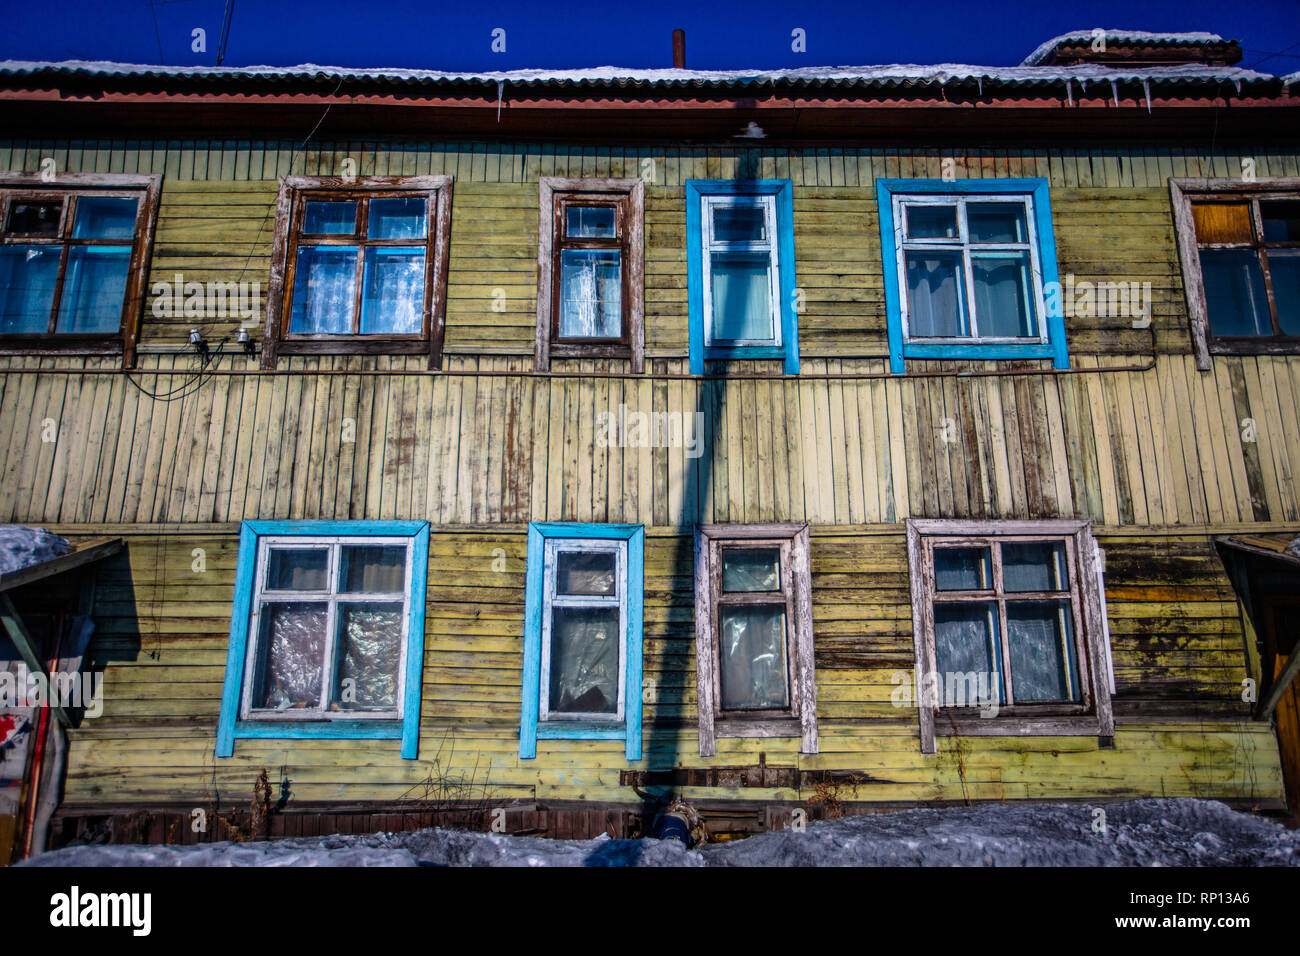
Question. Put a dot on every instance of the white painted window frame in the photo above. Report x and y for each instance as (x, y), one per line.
(551, 599)
(771, 246)
(962, 245)
(333, 597)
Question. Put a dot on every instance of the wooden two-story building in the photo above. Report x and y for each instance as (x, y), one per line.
(552, 442)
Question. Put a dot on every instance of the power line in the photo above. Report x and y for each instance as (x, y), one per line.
(225, 30)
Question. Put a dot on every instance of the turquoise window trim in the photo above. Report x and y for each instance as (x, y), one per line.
(783, 190)
(407, 729)
(531, 729)
(1055, 348)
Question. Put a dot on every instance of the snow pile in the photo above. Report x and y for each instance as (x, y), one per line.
(1154, 832)
(312, 851)
(21, 547)
(1138, 833)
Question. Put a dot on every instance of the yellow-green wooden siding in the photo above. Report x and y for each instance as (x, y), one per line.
(163, 630)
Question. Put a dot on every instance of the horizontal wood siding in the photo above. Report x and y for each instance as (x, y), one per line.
(1176, 635)
(1111, 210)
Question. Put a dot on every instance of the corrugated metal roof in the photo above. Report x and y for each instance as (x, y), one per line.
(888, 76)
(1120, 36)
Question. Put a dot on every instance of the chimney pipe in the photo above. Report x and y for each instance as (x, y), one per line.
(679, 49)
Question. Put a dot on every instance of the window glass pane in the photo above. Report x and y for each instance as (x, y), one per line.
(297, 569)
(962, 569)
(1234, 292)
(751, 648)
(291, 653)
(329, 218)
(398, 218)
(742, 297)
(1002, 289)
(1042, 651)
(1034, 566)
(1222, 221)
(584, 661)
(1281, 220)
(931, 222)
(966, 644)
(27, 277)
(105, 217)
(751, 569)
(936, 295)
(324, 289)
(39, 218)
(590, 222)
(377, 569)
(94, 289)
(591, 294)
(996, 222)
(744, 223)
(586, 572)
(394, 291)
(369, 646)
(1284, 267)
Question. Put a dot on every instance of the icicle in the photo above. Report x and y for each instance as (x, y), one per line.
(1237, 84)
(1069, 92)
(1146, 88)
(501, 91)
(1114, 89)
(980, 81)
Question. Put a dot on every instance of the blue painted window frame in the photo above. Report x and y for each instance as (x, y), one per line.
(783, 190)
(406, 729)
(531, 728)
(1055, 348)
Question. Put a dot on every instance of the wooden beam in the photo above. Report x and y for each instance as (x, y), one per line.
(27, 649)
(1280, 685)
(91, 551)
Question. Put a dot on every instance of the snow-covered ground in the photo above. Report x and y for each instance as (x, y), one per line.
(1137, 833)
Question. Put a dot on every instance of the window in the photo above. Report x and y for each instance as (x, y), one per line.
(582, 636)
(1009, 629)
(1240, 249)
(740, 264)
(753, 634)
(359, 267)
(965, 268)
(327, 632)
(73, 253)
(590, 290)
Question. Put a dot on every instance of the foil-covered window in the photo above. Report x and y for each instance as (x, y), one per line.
(584, 619)
(328, 629)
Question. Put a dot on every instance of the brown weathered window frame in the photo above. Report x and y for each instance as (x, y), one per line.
(1094, 714)
(628, 198)
(67, 188)
(295, 192)
(1183, 193)
(800, 720)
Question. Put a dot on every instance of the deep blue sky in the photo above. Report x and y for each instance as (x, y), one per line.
(436, 34)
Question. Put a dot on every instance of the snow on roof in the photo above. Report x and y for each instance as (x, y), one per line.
(892, 75)
(21, 547)
(1120, 36)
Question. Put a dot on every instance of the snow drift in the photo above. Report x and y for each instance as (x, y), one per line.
(1157, 832)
